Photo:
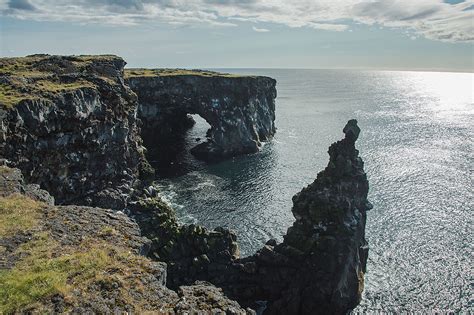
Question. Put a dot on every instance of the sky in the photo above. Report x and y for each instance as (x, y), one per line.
(433, 35)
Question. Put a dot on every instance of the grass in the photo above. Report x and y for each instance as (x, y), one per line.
(30, 66)
(76, 272)
(18, 214)
(40, 76)
(10, 95)
(108, 231)
(42, 273)
(130, 73)
(52, 86)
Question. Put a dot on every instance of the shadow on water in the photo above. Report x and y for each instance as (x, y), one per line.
(170, 155)
(236, 194)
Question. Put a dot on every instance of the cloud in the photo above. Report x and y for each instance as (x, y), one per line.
(21, 5)
(432, 19)
(260, 30)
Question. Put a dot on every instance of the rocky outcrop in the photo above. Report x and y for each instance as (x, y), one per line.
(77, 259)
(239, 109)
(318, 269)
(191, 251)
(69, 123)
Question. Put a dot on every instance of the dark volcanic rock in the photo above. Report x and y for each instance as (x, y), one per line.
(189, 249)
(70, 122)
(320, 266)
(240, 109)
(72, 128)
(207, 298)
(326, 244)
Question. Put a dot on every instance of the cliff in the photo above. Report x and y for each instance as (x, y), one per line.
(69, 123)
(74, 127)
(239, 109)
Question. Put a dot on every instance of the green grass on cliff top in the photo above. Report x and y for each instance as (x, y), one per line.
(38, 76)
(142, 72)
(48, 269)
(18, 214)
(45, 268)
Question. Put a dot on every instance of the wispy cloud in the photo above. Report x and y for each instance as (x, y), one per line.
(432, 19)
(260, 30)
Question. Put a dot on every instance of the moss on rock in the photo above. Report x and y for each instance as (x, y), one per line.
(42, 76)
(18, 213)
(142, 72)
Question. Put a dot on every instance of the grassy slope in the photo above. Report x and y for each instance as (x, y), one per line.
(46, 268)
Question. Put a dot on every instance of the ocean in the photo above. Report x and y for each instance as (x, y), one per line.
(417, 143)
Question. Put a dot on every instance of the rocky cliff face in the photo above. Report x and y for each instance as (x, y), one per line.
(240, 109)
(69, 123)
(320, 266)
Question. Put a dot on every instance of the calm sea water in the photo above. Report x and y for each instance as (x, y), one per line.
(417, 142)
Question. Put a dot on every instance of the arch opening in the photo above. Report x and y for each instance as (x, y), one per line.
(169, 147)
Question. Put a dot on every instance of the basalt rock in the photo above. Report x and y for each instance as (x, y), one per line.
(239, 109)
(324, 253)
(72, 124)
(319, 268)
(189, 250)
(69, 123)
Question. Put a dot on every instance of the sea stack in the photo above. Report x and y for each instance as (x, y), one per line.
(319, 267)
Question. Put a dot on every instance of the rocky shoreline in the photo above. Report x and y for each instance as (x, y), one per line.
(74, 126)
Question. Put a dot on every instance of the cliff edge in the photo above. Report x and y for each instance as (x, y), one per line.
(69, 123)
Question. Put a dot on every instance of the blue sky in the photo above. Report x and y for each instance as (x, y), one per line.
(369, 34)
